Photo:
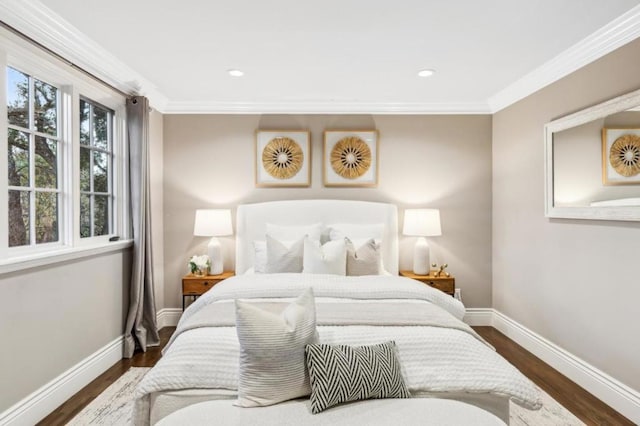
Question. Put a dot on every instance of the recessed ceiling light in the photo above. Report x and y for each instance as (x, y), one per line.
(426, 73)
(235, 73)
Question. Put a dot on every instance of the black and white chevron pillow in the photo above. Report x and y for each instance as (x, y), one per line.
(340, 373)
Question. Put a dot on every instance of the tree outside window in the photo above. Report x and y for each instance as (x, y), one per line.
(33, 160)
(95, 169)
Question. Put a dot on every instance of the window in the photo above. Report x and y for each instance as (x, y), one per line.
(63, 162)
(96, 204)
(33, 160)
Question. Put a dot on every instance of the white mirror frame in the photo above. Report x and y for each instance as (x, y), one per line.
(619, 104)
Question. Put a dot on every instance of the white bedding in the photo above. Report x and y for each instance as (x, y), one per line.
(434, 359)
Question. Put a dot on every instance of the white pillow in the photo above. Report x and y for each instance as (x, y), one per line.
(272, 357)
(330, 258)
(290, 233)
(356, 231)
(283, 258)
(259, 257)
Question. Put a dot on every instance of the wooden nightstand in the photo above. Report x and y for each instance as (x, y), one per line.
(194, 286)
(442, 283)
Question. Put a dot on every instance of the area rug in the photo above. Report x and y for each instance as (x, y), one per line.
(114, 407)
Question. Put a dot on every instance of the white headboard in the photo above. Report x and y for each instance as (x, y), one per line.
(252, 219)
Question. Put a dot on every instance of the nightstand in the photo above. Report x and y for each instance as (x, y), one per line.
(442, 283)
(194, 286)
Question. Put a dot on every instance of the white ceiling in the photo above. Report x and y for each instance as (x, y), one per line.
(342, 52)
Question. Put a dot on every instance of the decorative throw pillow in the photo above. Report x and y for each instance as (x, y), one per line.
(283, 258)
(330, 258)
(363, 260)
(289, 233)
(349, 373)
(272, 351)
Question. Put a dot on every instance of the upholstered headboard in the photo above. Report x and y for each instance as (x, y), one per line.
(252, 219)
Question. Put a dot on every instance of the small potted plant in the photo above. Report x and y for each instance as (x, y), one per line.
(200, 265)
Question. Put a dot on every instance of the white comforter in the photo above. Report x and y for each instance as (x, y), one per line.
(434, 359)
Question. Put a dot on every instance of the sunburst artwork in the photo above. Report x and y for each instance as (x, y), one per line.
(621, 156)
(282, 158)
(351, 158)
(624, 155)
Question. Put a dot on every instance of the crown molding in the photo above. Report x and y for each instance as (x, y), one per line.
(43, 25)
(321, 107)
(615, 34)
(37, 21)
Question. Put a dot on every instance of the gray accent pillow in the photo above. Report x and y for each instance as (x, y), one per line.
(364, 260)
(283, 258)
(340, 373)
(272, 351)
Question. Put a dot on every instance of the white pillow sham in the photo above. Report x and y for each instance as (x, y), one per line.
(356, 231)
(329, 258)
(289, 233)
(272, 351)
(259, 257)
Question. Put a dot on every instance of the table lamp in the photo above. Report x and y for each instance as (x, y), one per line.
(213, 223)
(421, 223)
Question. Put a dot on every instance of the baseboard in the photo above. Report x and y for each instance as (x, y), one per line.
(43, 401)
(606, 388)
(479, 316)
(168, 317)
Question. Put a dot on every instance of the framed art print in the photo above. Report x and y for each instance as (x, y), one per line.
(350, 158)
(620, 156)
(283, 158)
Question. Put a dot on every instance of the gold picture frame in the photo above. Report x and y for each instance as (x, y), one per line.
(351, 158)
(620, 156)
(282, 158)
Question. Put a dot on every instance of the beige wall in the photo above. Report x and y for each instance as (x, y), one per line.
(55, 316)
(431, 161)
(575, 282)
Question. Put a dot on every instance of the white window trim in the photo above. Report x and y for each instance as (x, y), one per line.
(72, 84)
(63, 255)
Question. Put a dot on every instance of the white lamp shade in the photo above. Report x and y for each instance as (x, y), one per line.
(422, 222)
(212, 223)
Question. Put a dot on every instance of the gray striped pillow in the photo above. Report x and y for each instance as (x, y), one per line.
(272, 358)
(342, 373)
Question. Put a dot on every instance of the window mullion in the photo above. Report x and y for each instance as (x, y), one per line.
(110, 172)
(32, 164)
(90, 149)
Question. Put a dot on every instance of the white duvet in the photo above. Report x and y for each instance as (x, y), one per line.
(434, 359)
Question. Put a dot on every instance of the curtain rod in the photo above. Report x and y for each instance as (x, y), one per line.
(61, 58)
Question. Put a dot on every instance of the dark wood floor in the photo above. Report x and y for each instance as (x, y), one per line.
(580, 402)
(77, 402)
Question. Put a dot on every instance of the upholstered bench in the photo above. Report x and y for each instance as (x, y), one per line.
(414, 411)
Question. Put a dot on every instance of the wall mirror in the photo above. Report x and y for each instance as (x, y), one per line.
(592, 162)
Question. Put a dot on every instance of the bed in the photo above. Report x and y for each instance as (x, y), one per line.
(441, 357)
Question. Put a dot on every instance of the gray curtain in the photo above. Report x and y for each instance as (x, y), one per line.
(141, 329)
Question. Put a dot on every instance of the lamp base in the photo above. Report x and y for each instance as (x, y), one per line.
(421, 257)
(214, 250)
